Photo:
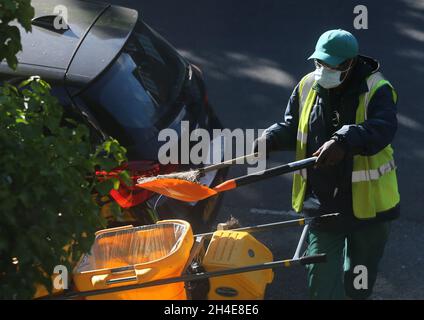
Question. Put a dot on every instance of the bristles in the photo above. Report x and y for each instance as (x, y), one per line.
(191, 176)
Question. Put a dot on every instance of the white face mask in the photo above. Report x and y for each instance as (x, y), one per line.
(328, 78)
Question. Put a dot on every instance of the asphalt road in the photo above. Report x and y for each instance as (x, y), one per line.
(253, 53)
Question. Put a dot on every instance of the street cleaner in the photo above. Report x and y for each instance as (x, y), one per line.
(345, 113)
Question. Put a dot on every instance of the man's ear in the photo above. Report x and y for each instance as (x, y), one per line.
(348, 64)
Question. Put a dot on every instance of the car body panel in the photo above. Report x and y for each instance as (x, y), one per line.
(101, 45)
(56, 55)
(55, 49)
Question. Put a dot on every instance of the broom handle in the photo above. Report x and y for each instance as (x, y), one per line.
(227, 163)
(276, 171)
(265, 174)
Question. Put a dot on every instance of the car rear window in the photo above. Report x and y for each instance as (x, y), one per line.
(159, 68)
(142, 84)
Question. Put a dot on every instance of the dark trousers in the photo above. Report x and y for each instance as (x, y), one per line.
(352, 261)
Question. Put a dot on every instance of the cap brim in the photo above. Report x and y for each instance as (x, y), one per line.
(330, 60)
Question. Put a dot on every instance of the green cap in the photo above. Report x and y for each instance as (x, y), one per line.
(335, 46)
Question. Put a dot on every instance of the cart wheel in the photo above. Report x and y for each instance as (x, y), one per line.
(197, 290)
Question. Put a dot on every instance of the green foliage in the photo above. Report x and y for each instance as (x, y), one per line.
(10, 38)
(47, 209)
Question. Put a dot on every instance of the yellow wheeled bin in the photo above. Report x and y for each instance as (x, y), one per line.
(132, 255)
(234, 249)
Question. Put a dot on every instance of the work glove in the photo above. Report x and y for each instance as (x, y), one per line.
(267, 141)
(330, 153)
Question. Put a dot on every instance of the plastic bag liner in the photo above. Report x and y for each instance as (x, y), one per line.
(124, 247)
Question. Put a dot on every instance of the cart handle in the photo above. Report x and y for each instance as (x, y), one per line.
(317, 258)
(119, 275)
(274, 225)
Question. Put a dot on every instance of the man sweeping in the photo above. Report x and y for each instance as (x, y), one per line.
(345, 113)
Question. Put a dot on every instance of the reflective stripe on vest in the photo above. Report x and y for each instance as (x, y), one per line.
(306, 98)
(374, 181)
(373, 174)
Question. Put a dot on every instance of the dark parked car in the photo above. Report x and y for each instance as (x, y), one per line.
(109, 69)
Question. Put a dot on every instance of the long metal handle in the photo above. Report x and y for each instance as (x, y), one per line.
(301, 241)
(227, 163)
(274, 225)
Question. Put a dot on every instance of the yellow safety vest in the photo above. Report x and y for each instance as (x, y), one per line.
(374, 181)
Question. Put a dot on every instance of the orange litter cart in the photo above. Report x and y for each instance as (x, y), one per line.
(166, 261)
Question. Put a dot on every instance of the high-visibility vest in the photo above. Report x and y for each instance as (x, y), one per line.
(374, 181)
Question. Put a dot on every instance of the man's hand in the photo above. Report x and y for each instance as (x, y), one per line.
(329, 154)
